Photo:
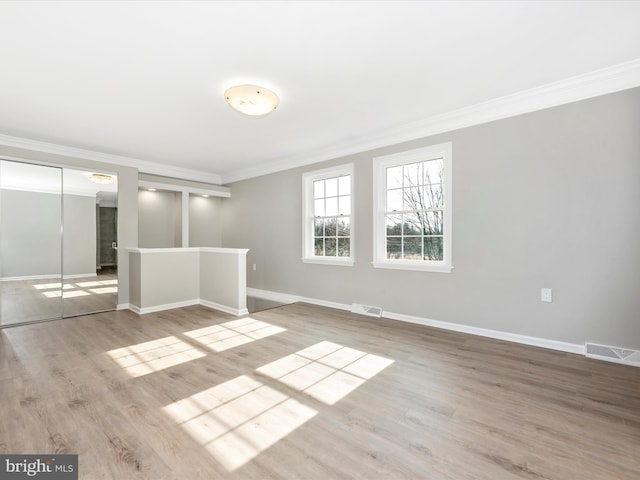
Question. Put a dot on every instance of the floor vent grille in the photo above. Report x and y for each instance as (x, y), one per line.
(613, 354)
(366, 310)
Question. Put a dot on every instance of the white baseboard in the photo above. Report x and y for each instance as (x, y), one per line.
(187, 303)
(456, 327)
(31, 277)
(223, 308)
(273, 296)
(81, 275)
(485, 332)
(287, 299)
(123, 306)
(55, 276)
(135, 309)
(166, 306)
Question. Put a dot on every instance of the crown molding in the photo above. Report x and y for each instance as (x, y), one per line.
(143, 166)
(581, 87)
(600, 82)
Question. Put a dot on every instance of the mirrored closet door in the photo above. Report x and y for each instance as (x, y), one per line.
(58, 241)
(30, 242)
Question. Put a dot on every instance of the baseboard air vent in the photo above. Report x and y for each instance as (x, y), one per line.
(366, 310)
(613, 354)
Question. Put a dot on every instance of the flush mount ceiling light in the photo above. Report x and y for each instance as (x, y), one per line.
(251, 99)
(101, 178)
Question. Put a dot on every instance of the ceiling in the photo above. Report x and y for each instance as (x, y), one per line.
(38, 178)
(144, 81)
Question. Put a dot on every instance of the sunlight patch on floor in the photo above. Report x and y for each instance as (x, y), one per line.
(238, 419)
(97, 283)
(75, 289)
(231, 334)
(148, 357)
(46, 286)
(326, 371)
(103, 290)
(68, 294)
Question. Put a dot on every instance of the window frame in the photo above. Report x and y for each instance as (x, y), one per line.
(380, 165)
(308, 217)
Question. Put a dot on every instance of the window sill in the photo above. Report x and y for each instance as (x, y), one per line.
(399, 265)
(344, 262)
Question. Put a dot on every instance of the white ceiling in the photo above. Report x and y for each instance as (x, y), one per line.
(144, 80)
(39, 178)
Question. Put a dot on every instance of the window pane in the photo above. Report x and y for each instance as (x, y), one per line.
(318, 247)
(413, 210)
(344, 247)
(318, 207)
(330, 227)
(330, 247)
(331, 207)
(344, 185)
(434, 171)
(433, 249)
(318, 189)
(394, 177)
(412, 248)
(432, 223)
(344, 227)
(318, 229)
(412, 197)
(433, 196)
(413, 223)
(331, 187)
(344, 205)
(413, 174)
(394, 200)
(394, 248)
(394, 224)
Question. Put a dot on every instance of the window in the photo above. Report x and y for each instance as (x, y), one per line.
(412, 209)
(328, 223)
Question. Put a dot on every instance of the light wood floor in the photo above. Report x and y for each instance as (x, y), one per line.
(24, 301)
(307, 392)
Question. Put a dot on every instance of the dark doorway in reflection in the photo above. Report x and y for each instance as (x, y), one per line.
(256, 304)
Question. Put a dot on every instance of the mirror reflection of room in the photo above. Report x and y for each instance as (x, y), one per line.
(58, 242)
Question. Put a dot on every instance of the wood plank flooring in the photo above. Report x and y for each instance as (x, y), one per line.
(306, 392)
(24, 301)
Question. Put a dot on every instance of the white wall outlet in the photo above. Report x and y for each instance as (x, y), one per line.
(254, 267)
(546, 295)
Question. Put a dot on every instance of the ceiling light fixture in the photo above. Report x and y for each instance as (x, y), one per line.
(251, 99)
(101, 178)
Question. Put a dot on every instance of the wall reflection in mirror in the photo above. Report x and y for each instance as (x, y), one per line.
(58, 242)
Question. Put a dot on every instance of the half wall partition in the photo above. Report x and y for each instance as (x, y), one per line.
(52, 230)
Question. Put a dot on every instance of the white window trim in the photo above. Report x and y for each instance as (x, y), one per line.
(307, 213)
(380, 164)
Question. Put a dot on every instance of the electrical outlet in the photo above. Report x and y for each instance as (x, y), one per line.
(546, 295)
(254, 267)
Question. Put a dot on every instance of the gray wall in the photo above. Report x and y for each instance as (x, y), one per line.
(30, 234)
(157, 219)
(223, 279)
(127, 202)
(30, 241)
(79, 239)
(204, 221)
(157, 274)
(546, 199)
